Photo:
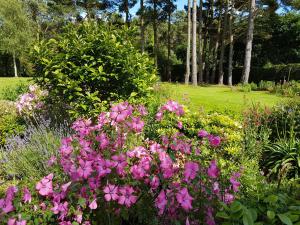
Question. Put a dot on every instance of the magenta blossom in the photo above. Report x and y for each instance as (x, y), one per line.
(213, 170)
(26, 195)
(45, 185)
(184, 199)
(214, 141)
(202, 133)
(190, 171)
(161, 202)
(126, 196)
(110, 192)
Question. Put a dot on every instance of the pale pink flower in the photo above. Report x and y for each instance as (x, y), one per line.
(126, 196)
(93, 204)
(45, 185)
(26, 195)
(110, 192)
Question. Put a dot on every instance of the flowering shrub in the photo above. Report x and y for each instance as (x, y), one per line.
(113, 172)
(31, 101)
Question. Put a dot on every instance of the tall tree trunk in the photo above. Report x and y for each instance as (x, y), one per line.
(221, 62)
(142, 27)
(216, 49)
(126, 13)
(194, 44)
(155, 46)
(169, 48)
(248, 51)
(200, 77)
(208, 43)
(230, 56)
(15, 65)
(205, 63)
(188, 49)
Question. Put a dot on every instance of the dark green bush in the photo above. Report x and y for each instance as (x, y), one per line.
(271, 73)
(89, 65)
(285, 121)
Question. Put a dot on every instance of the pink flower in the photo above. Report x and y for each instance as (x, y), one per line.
(187, 222)
(120, 112)
(159, 115)
(229, 198)
(126, 196)
(209, 219)
(235, 184)
(213, 170)
(214, 141)
(142, 110)
(202, 133)
(161, 202)
(45, 185)
(13, 221)
(190, 171)
(103, 140)
(26, 195)
(136, 124)
(93, 204)
(120, 163)
(184, 199)
(179, 125)
(51, 161)
(85, 169)
(216, 187)
(110, 192)
(154, 183)
(166, 165)
(61, 208)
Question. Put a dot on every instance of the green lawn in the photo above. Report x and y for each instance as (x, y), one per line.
(220, 98)
(8, 82)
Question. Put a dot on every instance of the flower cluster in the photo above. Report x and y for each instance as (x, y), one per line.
(31, 101)
(112, 165)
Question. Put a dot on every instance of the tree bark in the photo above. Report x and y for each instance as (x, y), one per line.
(221, 61)
(200, 77)
(208, 41)
(215, 50)
(15, 65)
(126, 13)
(230, 56)
(155, 31)
(169, 48)
(194, 44)
(142, 26)
(248, 51)
(188, 50)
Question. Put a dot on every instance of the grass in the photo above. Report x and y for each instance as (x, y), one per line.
(11, 82)
(220, 98)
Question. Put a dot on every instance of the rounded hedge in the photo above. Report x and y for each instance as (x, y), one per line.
(89, 65)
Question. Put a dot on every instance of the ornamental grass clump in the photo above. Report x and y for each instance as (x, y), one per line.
(113, 174)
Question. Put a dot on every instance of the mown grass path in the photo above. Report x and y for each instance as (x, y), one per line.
(10, 82)
(220, 98)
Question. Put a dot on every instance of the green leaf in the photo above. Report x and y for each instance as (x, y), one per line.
(247, 217)
(82, 202)
(223, 215)
(236, 206)
(285, 219)
(270, 214)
